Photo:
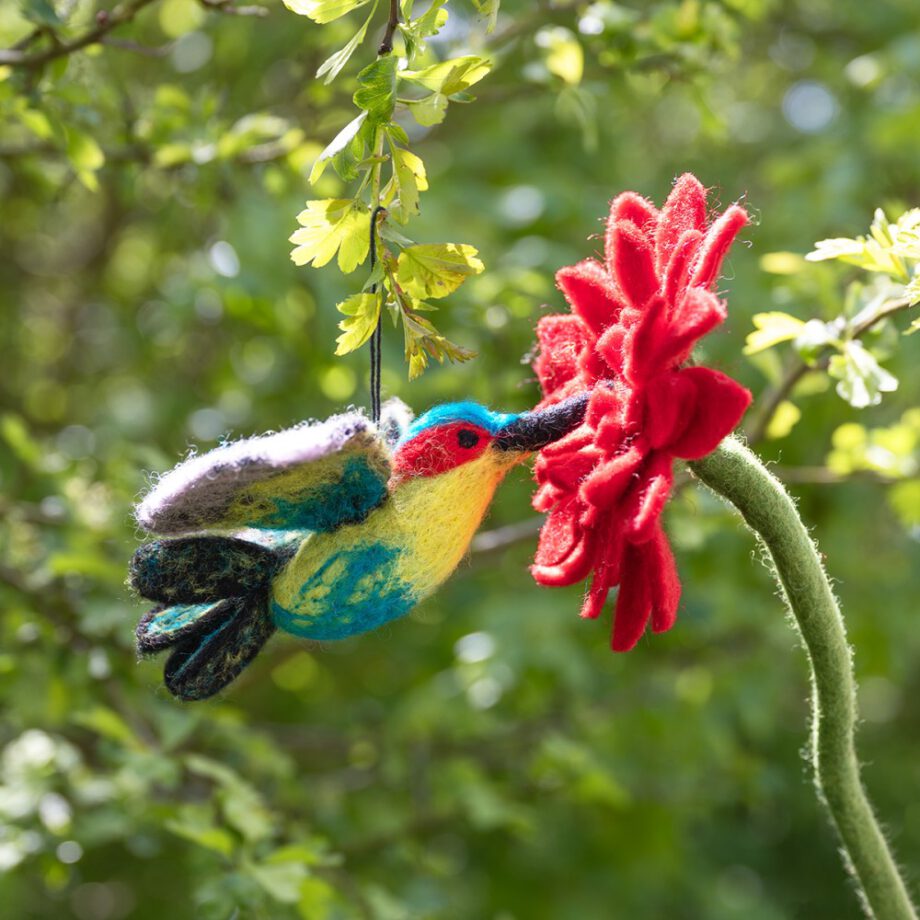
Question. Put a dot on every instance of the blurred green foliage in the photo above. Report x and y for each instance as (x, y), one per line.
(487, 756)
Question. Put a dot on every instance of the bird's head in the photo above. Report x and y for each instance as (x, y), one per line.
(483, 443)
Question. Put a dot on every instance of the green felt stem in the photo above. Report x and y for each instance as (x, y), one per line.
(735, 473)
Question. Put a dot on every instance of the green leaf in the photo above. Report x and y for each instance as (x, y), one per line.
(436, 269)
(423, 340)
(242, 806)
(14, 431)
(332, 66)
(430, 110)
(489, 9)
(905, 500)
(108, 724)
(784, 419)
(861, 380)
(330, 226)
(377, 90)
(322, 11)
(85, 156)
(339, 143)
(770, 329)
(875, 253)
(563, 54)
(196, 823)
(281, 880)
(409, 179)
(432, 20)
(41, 12)
(782, 263)
(450, 77)
(362, 311)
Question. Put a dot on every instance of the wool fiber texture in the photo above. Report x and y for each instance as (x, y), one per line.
(312, 476)
(634, 320)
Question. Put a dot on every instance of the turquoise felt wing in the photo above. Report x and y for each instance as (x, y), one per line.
(314, 477)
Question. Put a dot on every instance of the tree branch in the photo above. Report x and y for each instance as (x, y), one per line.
(386, 45)
(770, 402)
(105, 22)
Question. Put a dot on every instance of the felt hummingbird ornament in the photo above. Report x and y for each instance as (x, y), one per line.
(323, 530)
(332, 529)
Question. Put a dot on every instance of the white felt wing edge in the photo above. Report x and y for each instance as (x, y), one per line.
(201, 485)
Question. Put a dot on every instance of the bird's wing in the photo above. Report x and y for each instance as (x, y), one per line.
(315, 477)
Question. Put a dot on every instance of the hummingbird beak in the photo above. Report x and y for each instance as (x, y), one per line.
(530, 431)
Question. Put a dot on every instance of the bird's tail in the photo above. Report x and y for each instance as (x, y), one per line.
(213, 607)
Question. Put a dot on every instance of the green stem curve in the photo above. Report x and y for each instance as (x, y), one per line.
(735, 473)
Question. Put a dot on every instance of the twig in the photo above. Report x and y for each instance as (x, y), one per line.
(228, 9)
(105, 22)
(501, 537)
(151, 51)
(771, 401)
(798, 369)
(386, 45)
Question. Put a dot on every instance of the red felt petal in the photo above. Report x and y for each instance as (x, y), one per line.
(634, 603)
(645, 341)
(664, 580)
(720, 403)
(684, 210)
(633, 263)
(611, 478)
(569, 471)
(720, 236)
(643, 505)
(677, 276)
(610, 347)
(564, 553)
(695, 316)
(581, 437)
(591, 293)
(561, 339)
(633, 208)
(605, 402)
(670, 399)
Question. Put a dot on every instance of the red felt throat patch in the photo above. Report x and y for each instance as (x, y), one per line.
(635, 318)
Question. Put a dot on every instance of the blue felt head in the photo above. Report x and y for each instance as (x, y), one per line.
(458, 412)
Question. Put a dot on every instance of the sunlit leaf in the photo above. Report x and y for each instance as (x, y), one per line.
(430, 110)
(323, 10)
(362, 311)
(784, 419)
(331, 226)
(450, 77)
(771, 329)
(409, 179)
(331, 67)
(336, 146)
(563, 54)
(861, 379)
(436, 269)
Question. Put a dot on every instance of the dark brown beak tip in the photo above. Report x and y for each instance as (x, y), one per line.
(531, 431)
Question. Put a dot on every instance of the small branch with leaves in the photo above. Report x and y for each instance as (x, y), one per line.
(372, 152)
(890, 254)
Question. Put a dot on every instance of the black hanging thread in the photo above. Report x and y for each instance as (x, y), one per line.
(377, 337)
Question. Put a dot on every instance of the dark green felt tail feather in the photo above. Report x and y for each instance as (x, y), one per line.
(214, 607)
(192, 570)
(211, 643)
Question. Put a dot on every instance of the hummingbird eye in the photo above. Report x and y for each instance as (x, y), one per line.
(467, 438)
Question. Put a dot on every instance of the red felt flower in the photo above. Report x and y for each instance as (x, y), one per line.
(635, 319)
